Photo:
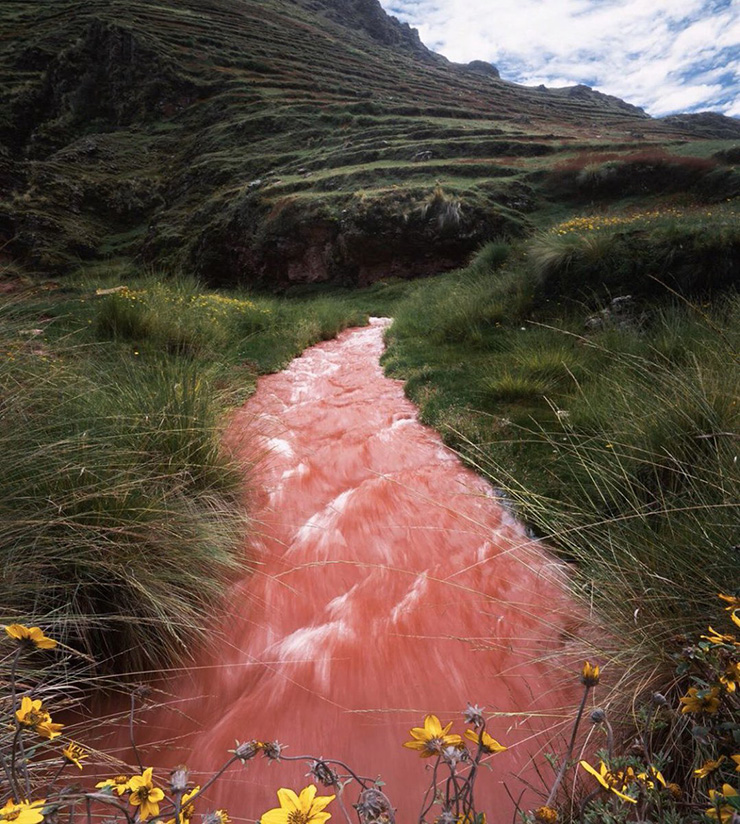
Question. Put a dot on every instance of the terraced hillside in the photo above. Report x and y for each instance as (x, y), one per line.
(278, 141)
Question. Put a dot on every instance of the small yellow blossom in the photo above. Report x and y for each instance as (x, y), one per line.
(731, 676)
(613, 781)
(733, 602)
(651, 777)
(29, 636)
(119, 783)
(144, 794)
(546, 815)
(306, 808)
(31, 714)
(487, 743)
(74, 754)
(590, 674)
(22, 812)
(708, 767)
(432, 738)
(187, 810)
(723, 813)
(736, 759)
(701, 700)
(222, 817)
(715, 637)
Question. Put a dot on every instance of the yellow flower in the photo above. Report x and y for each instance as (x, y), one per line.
(546, 815)
(222, 817)
(717, 638)
(731, 676)
(732, 600)
(187, 811)
(30, 636)
(22, 812)
(650, 777)
(736, 759)
(74, 754)
(722, 812)
(119, 784)
(590, 674)
(144, 794)
(701, 700)
(487, 743)
(307, 808)
(432, 738)
(609, 780)
(32, 715)
(708, 767)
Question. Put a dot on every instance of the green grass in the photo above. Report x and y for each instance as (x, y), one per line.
(617, 439)
(122, 517)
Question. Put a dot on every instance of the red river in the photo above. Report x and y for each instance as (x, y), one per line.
(390, 583)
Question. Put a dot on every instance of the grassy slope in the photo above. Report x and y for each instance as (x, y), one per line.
(262, 141)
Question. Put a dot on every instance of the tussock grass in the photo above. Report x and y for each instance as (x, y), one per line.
(122, 518)
(616, 441)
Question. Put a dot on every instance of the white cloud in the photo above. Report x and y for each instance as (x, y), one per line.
(663, 55)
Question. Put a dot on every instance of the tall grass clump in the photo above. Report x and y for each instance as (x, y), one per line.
(641, 490)
(120, 514)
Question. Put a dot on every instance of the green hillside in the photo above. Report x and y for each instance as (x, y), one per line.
(270, 142)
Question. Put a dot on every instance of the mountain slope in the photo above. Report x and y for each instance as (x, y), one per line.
(275, 141)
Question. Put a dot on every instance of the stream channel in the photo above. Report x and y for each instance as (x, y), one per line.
(389, 583)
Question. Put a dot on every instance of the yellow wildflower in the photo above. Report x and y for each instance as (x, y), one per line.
(222, 817)
(306, 808)
(708, 767)
(732, 600)
(187, 811)
(119, 784)
(736, 759)
(590, 674)
(432, 738)
(74, 754)
(546, 815)
(701, 700)
(144, 794)
(29, 636)
(651, 777)
(731, 676)
(723, 813)
(715, 637)
(22, 812)
(487, 743)
(613, 781)
(32, 715)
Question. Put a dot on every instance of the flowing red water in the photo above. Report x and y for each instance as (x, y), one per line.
(390, 583)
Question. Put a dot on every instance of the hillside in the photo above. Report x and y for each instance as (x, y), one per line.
(279, 141)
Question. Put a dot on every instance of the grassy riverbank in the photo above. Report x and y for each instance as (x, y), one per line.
(592, 372)
(121, 514)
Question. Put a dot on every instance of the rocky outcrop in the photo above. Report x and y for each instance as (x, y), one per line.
(366, 241)
(369, 16)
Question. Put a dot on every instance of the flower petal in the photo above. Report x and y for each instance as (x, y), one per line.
(288, 799)
(279, 815)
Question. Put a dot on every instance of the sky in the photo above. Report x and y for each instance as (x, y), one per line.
(666, 56)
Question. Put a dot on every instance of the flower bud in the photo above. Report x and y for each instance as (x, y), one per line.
(473, 714)
(179, 779)
(598, 716)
